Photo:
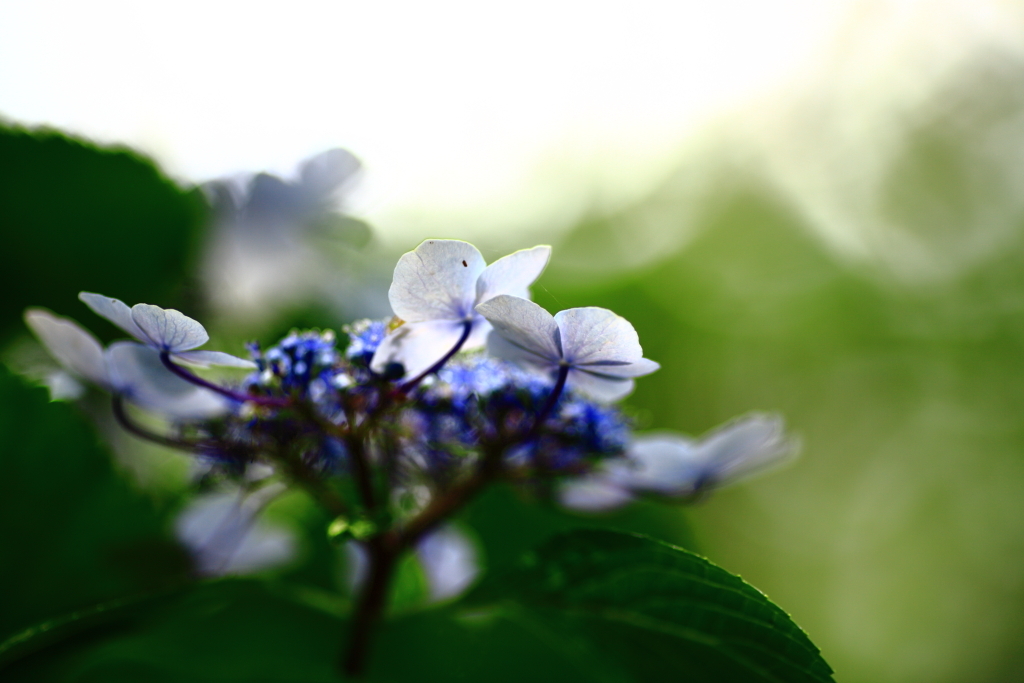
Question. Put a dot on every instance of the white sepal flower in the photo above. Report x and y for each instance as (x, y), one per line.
(125, 368)
(435, 291)
(162, 329)
(449, 560)
(224, 535)
(600, 349)
(675, 466)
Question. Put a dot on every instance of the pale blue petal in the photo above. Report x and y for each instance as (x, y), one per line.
(597, 335)
(437, 281)
(664, 463)
(479, 334)
(593, 493)
(114, 310)
(600, 388)
(523, 324)
(206, 358)
(137, 372)
(417, 346)
(70, 345)
(223, 534)
(744, 447)
(499, 347)
(513, 274)
(168, 329)
(449, 561)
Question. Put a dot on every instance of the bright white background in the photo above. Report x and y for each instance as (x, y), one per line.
(477, 114)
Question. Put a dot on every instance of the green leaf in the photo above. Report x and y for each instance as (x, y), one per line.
(653, 610)
(249, 630)
(74, 532)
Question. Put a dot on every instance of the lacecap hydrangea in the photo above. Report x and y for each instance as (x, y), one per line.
(394, 425)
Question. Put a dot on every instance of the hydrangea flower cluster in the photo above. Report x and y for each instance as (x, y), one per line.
(397, 424)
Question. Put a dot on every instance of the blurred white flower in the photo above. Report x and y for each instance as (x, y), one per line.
(673, 466)
(600, 349)
(435, 291)
(224, 535)
(125, 368)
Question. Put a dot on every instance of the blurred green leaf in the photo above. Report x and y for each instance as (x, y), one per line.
(248, 630)
(654, 610)
(80, 217)
(589, 605)
(75, 533)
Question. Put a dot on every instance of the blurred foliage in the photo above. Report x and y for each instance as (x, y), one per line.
(79, 217)
(75, 533)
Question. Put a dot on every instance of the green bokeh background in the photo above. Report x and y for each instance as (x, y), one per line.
(896, 541)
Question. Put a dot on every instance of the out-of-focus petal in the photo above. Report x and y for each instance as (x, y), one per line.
(595, 335)
(224, 536)
(593, 493)
(513, 274)
(417, 346)
(744, 447)
(219, 358)
(114, 310)
(436, 281)
(524, 324)
(601, 388)
(137, 372)
(168, 329)
(449, 562)
(662, 463)
(69, 343)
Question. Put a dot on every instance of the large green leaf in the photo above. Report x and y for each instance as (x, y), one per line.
(258, 631)
(588, 606)
(653, 610)
(74, 532)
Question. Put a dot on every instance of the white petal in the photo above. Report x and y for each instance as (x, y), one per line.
(499, 347)
(513, 274)
(224, 536)
(168, 329)
(597, 335)
(437, 281)
(600, 388)
(523, 324)
(205, 358)
(593, 493)
(664, 463)
(449, 562)
(744, 447)
(417, 346)
(479, 334)
(137, 372)
(70, 345)
(114, 310)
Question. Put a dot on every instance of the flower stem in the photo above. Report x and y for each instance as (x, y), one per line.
(165, 358)
(133, 427)
(371, 604)
(549, 405)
